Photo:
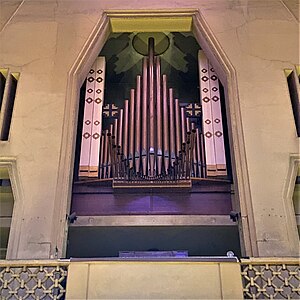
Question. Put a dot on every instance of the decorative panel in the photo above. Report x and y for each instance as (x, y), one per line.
(33, 282)
(92, 120)
(271, 280)
(212, 118)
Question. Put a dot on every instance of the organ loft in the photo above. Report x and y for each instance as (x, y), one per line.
(152, 142)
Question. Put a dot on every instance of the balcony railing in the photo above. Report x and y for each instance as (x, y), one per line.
(265, 278)
(262, 278)
(38, 279)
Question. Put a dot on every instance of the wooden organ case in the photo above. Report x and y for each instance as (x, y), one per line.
(152, 153)
(154, 140)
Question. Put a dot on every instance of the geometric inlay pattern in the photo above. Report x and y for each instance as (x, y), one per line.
(208, 134)
(214, 77)
(33, 282)
(86, 135)
(218, 133)
(212, 118)
(96, 135)
(193, 110)
(271, 281)
(110, 110)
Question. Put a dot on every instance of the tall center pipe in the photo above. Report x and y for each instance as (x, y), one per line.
(144, 118)
(158, 116)
(151, 107)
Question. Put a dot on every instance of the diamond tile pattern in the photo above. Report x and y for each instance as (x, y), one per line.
(33, 282)
(212, 116)
(89, 156)
(271, 281)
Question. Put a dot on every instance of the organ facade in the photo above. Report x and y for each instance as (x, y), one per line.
(153, 138)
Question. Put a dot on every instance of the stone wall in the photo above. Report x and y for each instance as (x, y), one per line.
(42, 40)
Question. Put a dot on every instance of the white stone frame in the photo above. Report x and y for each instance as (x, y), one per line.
(16, 222)
(289, 187)
(226, 74)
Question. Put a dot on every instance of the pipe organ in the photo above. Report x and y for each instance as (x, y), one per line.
(153, 139)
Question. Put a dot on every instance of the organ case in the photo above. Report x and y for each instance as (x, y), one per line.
(154, 139)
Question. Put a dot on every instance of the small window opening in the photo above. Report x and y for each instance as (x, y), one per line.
(296, 201)
(8, 105)
(6, 205)
(3, 75)
(293, 86)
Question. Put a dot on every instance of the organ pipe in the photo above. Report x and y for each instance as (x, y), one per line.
(151, 107)
(131, 129)
(172, 127)
(159, 117)
(144, 117)
(166, 124)
(137, 154)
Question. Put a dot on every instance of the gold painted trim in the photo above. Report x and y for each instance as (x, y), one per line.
(151, 21)
(4, 173)
(288, 72)
(148, 24)
(155, 13)
(4, 72)
(298, 70)
(16, 75)
(270, 260)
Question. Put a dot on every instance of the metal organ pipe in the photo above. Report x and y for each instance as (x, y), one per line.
(101, 155)
(138, 125)
(126, 123)
(177, 127)
(105, 156)
(131, 129)
(172, 127)
(159, 117)
(109, 150)
(144, 118)
(120, 129)
(166, 125)
(194, 159)
(151, 108)
(183, 125)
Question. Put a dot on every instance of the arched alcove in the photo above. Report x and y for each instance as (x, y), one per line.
(154, 21)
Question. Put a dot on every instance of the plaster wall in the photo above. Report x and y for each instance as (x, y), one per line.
(42, 40)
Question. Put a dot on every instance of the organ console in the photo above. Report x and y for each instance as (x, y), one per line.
(153, 139)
